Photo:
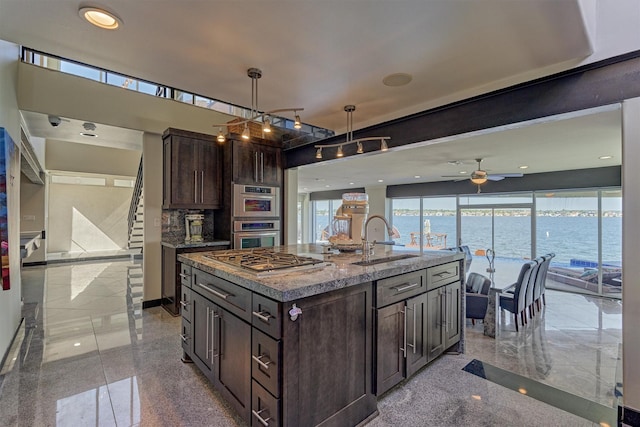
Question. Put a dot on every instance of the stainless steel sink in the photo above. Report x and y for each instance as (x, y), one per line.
(385, 259)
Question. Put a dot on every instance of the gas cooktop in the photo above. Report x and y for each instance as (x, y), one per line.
(263, 261)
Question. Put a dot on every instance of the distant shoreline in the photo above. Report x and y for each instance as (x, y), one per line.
(499, 212)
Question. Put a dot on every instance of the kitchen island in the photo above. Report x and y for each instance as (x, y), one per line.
(316, 344)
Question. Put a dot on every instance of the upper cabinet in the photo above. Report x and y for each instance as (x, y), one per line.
(192, 170)
(255, 163)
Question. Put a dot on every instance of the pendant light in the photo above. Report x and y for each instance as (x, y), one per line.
(340, 153)
(255, 74)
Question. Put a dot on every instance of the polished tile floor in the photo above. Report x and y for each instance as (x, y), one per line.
(87, 354)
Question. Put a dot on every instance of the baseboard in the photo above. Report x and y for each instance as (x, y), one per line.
(34, 263)
(628, 417)
(13, 339)
(151, 303)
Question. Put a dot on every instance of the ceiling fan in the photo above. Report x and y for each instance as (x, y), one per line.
(480, 176)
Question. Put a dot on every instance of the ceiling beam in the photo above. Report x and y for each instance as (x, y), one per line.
(594, 85)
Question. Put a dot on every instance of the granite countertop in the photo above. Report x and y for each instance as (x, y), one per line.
(180, 244)
(336, 272)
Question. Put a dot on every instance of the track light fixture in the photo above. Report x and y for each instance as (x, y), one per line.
(221, 137)
(340, 153)
(255, 74)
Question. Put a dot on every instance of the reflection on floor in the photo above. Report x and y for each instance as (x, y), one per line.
(87, 354)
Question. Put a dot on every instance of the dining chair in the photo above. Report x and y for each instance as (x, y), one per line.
(515, 302)
(477, 297)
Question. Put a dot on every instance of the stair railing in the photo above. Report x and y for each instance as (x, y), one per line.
(135, 197)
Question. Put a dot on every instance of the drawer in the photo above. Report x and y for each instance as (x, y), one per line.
(265, 361)
(185, 275)
(265, 409)
(266, 315)
(186, 336)
(227, 295)
(443, 274)
(185, 303)
(398, 288)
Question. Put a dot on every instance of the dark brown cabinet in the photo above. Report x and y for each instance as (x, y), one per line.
(443, 326)
(402, 341)
(255, 163)
(413, 325)
(192, 171)
(222, 350)
(173, 278)
(272, 368)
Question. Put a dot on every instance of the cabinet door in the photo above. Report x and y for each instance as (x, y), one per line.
(210, 176)
(169, 287)
(269, 165)
(245, 163)
(435, 337)
(233, 359)
(202, 333)
(389, 355)
(452, 314)
(184, 177)
(416, 327)
(332, 335)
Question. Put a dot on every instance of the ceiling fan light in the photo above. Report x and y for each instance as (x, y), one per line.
(478, 180)
(297, 124)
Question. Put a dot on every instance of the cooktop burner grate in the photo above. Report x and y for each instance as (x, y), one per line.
(261, 259)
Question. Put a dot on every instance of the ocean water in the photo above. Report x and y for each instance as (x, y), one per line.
(568, 237)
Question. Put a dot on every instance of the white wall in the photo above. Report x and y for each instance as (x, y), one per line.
(152, 191)
(69, 156)
(10, 304)
(87, 218)
(33, 213)
(630, 251)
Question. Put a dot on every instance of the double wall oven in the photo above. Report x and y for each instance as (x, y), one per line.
(256, 216)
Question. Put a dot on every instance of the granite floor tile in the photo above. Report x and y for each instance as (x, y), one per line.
(89, 355)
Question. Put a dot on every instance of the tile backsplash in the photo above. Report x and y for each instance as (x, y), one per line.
(174, 228)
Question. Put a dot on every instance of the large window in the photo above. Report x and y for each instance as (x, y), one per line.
(322, 217)
(429, 222)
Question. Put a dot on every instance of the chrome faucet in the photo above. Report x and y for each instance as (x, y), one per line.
(366, 246)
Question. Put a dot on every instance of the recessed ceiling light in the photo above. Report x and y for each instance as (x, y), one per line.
(352, 183)
(100, 17)
(523, 167)
(462, 172)
(381, 180)
(91, 135)
(76, 344)
(327, 186)
(416, 176)
(605, 157)
(397, 79)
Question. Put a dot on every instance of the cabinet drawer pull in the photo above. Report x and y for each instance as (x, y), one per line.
(184, 338)
(258, 359)
(263, 315)
(185, 276)
(207, 334)
(404, 334)
(184, 303)
(201, 186)
(216, 291)
(445, 274)
(195, 186)
(406, 287)
(263, 421)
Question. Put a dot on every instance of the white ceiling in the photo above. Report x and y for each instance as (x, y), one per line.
(322, 55)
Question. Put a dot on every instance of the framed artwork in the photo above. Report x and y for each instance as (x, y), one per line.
(8, 155)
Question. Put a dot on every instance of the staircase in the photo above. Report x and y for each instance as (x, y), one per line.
(136, 215)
